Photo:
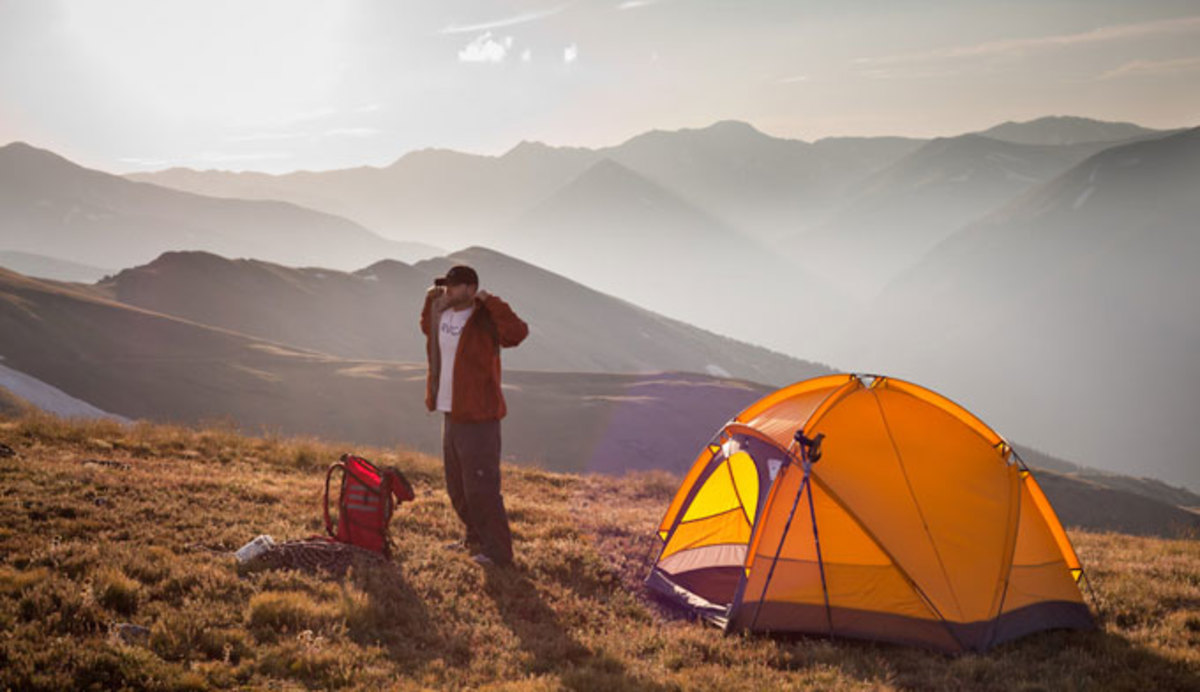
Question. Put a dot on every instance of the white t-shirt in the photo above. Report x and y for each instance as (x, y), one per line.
(450, 330)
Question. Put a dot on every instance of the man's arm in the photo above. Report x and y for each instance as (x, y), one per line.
(510, 329)
(430, 296)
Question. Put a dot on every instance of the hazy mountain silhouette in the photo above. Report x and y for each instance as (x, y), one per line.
(1069, 315)
(51, 206)
(761, 184)
(44, 266)
(440, 196)
(620, 233)
(1065, 129)
(1150, 488)
(883, 200)
(902, 212)
(372, 314)
(338, 313)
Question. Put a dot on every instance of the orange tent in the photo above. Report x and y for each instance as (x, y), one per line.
(868, 507)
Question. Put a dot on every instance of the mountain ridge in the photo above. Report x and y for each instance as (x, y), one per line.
(1100, 286)
(575, 327)
(55, 207)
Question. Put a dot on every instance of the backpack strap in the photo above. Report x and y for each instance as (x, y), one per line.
(328, 476)
(395, 482)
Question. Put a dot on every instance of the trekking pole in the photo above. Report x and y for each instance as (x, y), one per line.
(806, 447)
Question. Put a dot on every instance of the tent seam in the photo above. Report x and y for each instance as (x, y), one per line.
(738, 494)
(1012, 553)
(879, 545)
(924, 524)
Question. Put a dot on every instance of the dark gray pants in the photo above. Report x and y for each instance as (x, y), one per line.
(471, 453)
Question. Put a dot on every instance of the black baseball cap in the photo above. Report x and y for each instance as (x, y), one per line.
(458, 274)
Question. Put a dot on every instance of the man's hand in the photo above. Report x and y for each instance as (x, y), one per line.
(435, 291)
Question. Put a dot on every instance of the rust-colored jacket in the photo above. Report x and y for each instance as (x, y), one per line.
(477, 396)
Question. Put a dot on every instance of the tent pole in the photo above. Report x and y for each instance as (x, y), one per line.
(1083, 576)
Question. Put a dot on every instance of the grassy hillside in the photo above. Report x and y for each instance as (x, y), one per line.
(142, 364)
(103, 525)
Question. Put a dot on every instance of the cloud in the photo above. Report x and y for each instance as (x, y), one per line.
(909, 73)
(507, 21)
(266, 136)
(308, 116)
(1153, 67)
(485, 49)
(352, 132)
(284, 121)
(1021, 46)
(570, 54)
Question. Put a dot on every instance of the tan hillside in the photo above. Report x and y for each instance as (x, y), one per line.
(143, 364)
(105, 528)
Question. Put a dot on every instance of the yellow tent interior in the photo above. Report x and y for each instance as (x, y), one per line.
(918, 524)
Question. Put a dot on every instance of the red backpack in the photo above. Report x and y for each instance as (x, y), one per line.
(366, 502)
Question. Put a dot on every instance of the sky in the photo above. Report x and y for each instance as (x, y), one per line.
(281, 85)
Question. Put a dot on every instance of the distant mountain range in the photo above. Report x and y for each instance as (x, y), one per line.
(746, 179)
(372, 314)
(1069, 314)
(1058, 130)
(884, 201)
(616, 230)
(33, 264)
(898, 215)
(50, 206)
(768, 187)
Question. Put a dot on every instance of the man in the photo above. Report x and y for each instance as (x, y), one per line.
(465, 329)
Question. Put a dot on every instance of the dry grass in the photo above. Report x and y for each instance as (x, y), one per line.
(86, 547)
